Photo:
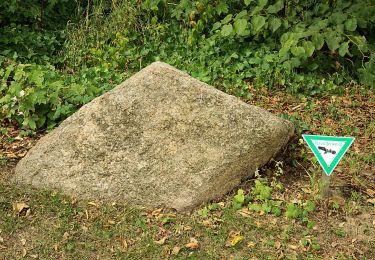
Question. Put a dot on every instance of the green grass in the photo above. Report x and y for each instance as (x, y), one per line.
(62, 227)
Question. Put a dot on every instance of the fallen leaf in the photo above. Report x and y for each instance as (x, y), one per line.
(91, 203)
(34, 256)
(73, 200)
(293, 247)
(23, 241)
(337, 200)
(156, 212)
(370, 192)
(66, 236)
(208, 223)
(161, 241)
(372, 201)
(187, 228)
(244, 212)
(28, 212)
(111, 222)
(20, 207)
(176, 250)
(1, 240)
(193, 244)
(233, 239)
(24, 252)
(277, 244)
(251, 244)
(123, 243)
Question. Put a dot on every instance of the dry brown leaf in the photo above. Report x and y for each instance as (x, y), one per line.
(372, 201)
(1, 240)
(277, 244)
(244, 212)
(234, 238)
(91, 203)
(293, 247)
(28, 212)
(193, 244)
(66, 236)
(251, 244)
(187, 228)
(156, 212)
(34, 256)
(175, 250)
(221, 204)
(24, 252)
(73, 200)
(161, 241)
(123, 243)
(111, 222)
(208, 223)
(23, 241)
(20, 206)
(337, 200)
(370, 192)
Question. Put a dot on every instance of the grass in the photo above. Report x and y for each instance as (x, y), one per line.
(62, 227)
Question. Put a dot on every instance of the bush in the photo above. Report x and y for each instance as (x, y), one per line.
(301, 46)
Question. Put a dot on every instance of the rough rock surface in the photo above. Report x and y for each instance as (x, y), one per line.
(161, 138)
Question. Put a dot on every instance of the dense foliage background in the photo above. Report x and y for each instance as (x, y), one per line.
(56, 55)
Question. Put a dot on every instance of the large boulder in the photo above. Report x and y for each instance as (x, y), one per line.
(161, 138)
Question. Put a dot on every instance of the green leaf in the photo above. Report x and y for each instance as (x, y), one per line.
(309, 48)
(298, 51)
(332, 41)
(255, 207)
(283, 52)
(293, 211)
(240, 197)
(216, 26)
(258, 22)
(351, 24)
(240, 26)
(344, 49)
(226, 30)
(309, 206)
(273, 9)
(37, 77)
(338, 17)
(227, 19)
(262, 3)
(318, 41)
(275, 24)
(15, 88)
(241, 14)
(221, 8)
(29, 122)
(360, 42)
(247, 2)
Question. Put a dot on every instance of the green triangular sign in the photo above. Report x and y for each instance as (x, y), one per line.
(329, 150)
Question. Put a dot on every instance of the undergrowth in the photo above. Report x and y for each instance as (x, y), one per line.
(299, 46)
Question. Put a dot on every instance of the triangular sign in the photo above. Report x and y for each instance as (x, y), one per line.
(329, 150)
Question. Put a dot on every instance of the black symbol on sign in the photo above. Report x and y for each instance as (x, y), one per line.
(326, 150)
